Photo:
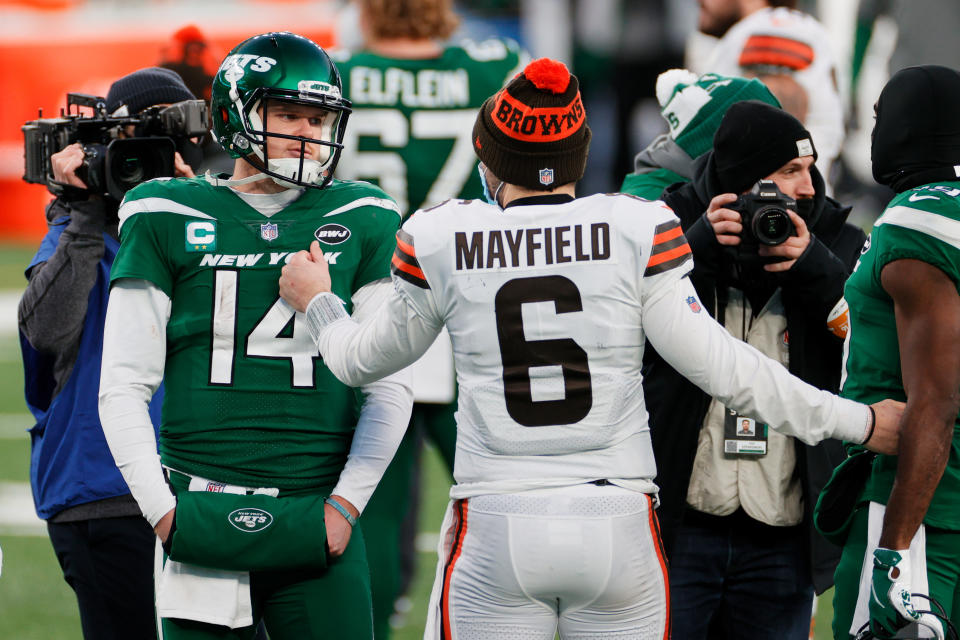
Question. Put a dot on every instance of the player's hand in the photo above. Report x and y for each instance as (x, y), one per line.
(163, 527)
(791, 248)
(338, 529)
(885, 438)
(65, 164)
(304, 276)
(891, 606)
(180, 168)
(725, 222)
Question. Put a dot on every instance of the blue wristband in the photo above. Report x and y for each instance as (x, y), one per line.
(342, 511)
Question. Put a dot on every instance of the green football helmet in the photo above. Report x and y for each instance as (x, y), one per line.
(281, 67)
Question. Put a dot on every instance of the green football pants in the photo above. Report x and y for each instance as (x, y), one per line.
(301, 604)
(943, 573)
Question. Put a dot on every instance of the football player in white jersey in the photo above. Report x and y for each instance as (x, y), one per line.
(769, 39)
(548, 301)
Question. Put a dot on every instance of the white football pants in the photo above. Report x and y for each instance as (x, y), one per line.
(585, 561)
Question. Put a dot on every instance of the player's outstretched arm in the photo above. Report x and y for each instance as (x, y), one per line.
(357, 354)
(744, 379)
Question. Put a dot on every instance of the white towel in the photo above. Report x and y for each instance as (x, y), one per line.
(918, 574)
(205, 595)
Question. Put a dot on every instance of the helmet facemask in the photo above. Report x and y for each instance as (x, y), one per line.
(312, 166)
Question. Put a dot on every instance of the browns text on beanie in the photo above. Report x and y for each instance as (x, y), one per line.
(754, 140)
(916, 138)
(145, 88)
(533, 132)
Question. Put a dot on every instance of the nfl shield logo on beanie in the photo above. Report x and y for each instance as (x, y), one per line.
(546, 177)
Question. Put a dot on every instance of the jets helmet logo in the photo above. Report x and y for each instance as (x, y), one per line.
(332, 233)
(250, 520)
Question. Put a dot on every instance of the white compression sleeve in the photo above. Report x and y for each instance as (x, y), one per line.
(134, 353)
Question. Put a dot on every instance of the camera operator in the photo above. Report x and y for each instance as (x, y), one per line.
(736, 507)
(104, 546)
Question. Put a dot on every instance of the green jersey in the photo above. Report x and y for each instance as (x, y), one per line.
(920, 224)
(412, 120)
(248, 398)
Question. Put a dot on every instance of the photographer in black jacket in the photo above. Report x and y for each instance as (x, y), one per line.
(104, 546)
(736, 508)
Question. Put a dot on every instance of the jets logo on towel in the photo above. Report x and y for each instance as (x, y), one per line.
(250, 520)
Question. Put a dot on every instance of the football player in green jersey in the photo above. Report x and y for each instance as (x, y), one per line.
(903, 344)
(266, 460)
(414, 99)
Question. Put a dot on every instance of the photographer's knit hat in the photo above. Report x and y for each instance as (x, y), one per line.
(145, 88)
(533, 132)
(754, 140)
(693, 107)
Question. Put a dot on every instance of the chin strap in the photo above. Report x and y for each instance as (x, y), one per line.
(230, 182)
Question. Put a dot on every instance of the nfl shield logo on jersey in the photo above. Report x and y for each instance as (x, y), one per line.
(269, 231)
(546, 176)
(694, 304)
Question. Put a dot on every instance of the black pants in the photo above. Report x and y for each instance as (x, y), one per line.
(108, 562)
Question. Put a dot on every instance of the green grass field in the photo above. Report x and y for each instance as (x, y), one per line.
(35, 602)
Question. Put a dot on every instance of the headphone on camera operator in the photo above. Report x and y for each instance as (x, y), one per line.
(147, 127)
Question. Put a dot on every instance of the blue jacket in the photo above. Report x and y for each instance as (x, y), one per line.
(70, 463)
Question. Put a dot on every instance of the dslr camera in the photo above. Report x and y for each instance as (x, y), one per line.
(763, 214)
(115, 160)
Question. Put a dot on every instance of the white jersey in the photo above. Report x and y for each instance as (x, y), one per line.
(781, 40)
(548, 307)
(542, 382)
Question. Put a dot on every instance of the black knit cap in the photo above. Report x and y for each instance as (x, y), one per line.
(533, 133)
(754, 140)
(145, 88)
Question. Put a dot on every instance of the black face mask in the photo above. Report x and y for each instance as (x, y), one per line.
(916, 138)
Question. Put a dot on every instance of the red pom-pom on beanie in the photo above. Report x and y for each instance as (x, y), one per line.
(551, 75)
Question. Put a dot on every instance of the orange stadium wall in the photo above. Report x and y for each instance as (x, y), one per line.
(39, 72)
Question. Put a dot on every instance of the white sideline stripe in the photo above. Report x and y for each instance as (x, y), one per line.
(158, 205)
(369, 201)
(426, 541)
(940, 227)
(13, 426)
(9, 300)
(17, 516)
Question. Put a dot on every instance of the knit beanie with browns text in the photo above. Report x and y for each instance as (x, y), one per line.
(533, 133)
